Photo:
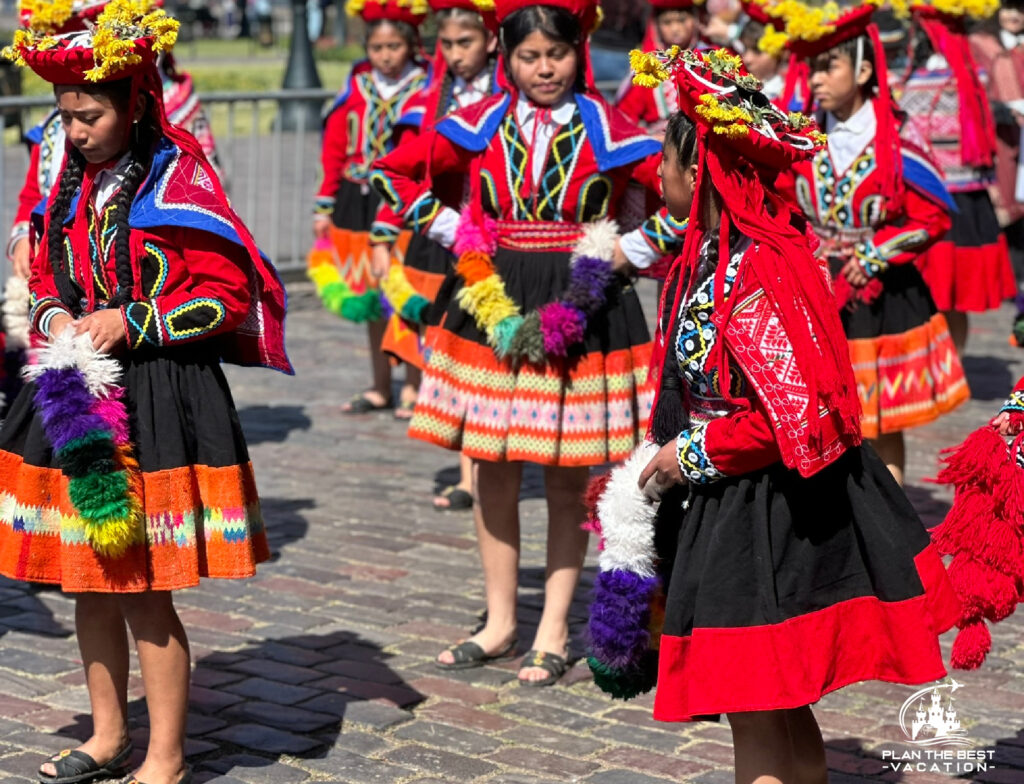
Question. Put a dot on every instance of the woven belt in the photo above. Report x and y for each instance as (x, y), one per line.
(539, 236)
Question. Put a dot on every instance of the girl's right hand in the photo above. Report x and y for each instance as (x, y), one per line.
(321, 227)
(58, 324)
(21, 258)
(1005, 425)
(380, 260)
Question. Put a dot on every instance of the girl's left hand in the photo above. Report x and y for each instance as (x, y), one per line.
(105, 328)
(1005, 425)
(854, 274)
(663, 468)
(620, 263)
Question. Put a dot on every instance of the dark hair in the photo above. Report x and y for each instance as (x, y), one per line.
(462, 16)
(141, 148)
(409, 33)
(660, 12)
(848, 48)
(681, 136)
(550, 21)
(751, 33)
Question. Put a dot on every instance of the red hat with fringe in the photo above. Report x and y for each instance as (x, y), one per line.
(587, 11)
(64, 16)
(483, 7)
(946, 28)
(409, 11)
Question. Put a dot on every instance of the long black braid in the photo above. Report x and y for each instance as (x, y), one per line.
(141, 153)
(67, 187)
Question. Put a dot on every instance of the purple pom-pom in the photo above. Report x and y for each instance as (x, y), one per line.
(588, 281)
(65, 406)
(562, 326)
(619, 617)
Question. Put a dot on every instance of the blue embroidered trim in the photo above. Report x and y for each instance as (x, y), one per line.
(474, 138)
(609, 154)
(920, 174)
(1014, 403)
(691, 452)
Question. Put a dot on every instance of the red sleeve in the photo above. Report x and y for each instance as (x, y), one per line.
(30, 194)
(637, 103)
(333, 154)
(43, 291)
(924, 223)
(402, 177)
(736, 444)
(208, 293)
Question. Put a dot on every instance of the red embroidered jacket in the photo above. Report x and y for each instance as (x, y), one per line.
(194, 278)
(763, 416)
(358, 129)
(590, 162)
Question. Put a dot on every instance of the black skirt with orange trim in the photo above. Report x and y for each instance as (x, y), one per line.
(781, 589)
(201, 509)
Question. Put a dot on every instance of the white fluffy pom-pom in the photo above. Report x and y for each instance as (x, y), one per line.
(15, 312)
(627, 517)
(100, 371)
(598, 240)
(61, 352)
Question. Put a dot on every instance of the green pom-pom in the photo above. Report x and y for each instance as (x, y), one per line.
(528, 342)
(503, 335)
(364, 307)
(100, 497)
(414, 308)
(93, 453)
(335, 295)
(624, 684)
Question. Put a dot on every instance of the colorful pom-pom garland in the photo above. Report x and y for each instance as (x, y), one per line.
(623, 646)
(401, 297)
(554, 329)
(984, 532)
(79, 400)
(336, 295)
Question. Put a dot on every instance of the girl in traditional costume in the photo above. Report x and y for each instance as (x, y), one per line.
(875, 202)
(358, 130)
(944, 97)
(768, 603)
(537, 359)
(124, 473)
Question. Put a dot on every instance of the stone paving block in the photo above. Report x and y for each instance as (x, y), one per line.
(257, 770)
(552, 765)
(264, 739)
(451, 690)
(652, 763)
(400, 694)
(271, 690)
(550, 716)
(463, 716)
(626, 777)
(717, 753)
(31, 687)
(473, 744)
(360, 670)
(211, 678)
(456, 766)
(51, 720)
(277, 671)
(549, 739)
(284, 717)
(519, 778)
(355, 769)
(210, 700)
(14, 707)
(366, 744)
(23, 765)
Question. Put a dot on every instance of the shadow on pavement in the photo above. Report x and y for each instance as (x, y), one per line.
(989, 377)
(272, 423)
(21, 610)
(285, 521)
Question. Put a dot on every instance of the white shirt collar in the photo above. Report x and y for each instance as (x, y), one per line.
(387, 86)
(108, 181)
(860, 121)
(1010, 40)
(561, 113)
(480, 83)
(848, 139)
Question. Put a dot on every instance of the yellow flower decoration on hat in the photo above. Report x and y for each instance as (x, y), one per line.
(974, 9)
(122, 23)
(47, 15)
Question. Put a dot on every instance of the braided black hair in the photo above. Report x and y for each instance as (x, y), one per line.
(67, 187)
(121, 206)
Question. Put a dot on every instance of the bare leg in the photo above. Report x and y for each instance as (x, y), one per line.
(890, 448)
(164, 659)
(808, 746)
(380, 363)
(410, 391)
(567, 547)
(763, 749)
(958, 328)
(496, 513)
(103, 643)
(465, 482)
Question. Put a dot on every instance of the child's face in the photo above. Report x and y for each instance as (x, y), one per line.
(465, 49)
(387, 50)
(676, 28)
(761, 65)
(677, 183)
(94, 124)
(835, 86)
(1011, 20)
(543, 69)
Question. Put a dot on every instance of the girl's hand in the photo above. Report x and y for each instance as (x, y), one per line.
(1005, 425)
(380, 260)
(854, 274)
(663, 468)
(105, 328)
(321, 227)
(619, 261)
(58, 324)
(21, 259)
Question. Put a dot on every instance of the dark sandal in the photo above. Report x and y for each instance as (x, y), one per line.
(468, 655)
(458, 499)
(77, 767)
(404, 410)
(553, 664)
(186, 778)
(360, 404)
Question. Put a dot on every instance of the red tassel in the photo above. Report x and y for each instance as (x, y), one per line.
(978, 460)
(971, 645)
(970, 581)
(595, 489)
(958, 531)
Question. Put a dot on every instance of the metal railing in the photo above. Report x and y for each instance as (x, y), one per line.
(270, 174)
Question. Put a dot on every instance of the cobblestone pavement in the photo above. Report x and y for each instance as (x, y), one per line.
(319, 669)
